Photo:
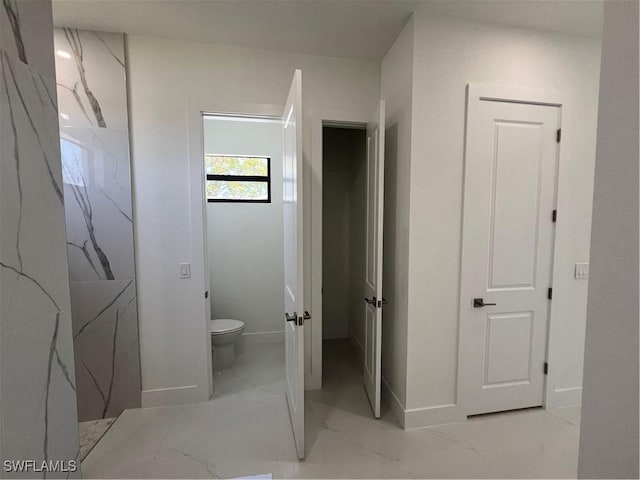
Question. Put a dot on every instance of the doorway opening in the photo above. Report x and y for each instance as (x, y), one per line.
(344, 197)
(244, 250)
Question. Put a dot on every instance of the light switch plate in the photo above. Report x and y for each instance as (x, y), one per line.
(185, 270)
(582, 271)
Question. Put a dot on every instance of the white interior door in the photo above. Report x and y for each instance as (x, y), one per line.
(373, 265)
(295, 314)
(508, 232)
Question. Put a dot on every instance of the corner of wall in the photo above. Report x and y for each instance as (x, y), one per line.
(397, 92)
(392, 401)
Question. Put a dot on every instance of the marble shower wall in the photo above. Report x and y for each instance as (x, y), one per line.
(37, 381)
(94, 140)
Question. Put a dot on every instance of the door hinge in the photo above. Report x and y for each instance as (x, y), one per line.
(554, 216)
(546, 368)
(550, 293)
(206, 294)
(558, 135)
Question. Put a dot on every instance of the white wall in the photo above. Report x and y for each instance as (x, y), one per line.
(609, 425)
(449, 54)
(245, 239)
(397, 92)
(168, 79)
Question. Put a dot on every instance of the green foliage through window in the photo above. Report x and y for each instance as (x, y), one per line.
(238, 179)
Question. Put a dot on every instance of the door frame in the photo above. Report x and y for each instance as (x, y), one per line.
(313, 225)
(474, 93)
(196, 109)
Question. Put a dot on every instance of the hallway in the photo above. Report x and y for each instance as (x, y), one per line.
(245, 431)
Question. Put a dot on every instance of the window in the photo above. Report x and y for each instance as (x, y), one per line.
(238, 179)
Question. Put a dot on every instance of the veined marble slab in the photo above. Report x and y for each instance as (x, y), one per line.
(37, 379)
(105, 333)
(26, 29)
(91, 78)
(94, 142)
(97, 189)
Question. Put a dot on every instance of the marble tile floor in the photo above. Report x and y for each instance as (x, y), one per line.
(90, 432)
(245, 431)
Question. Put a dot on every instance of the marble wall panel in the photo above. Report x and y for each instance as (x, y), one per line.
(97, 189)
(25, 33)
(91, 78)
(105, 333)
(94, 141)
(37, 380)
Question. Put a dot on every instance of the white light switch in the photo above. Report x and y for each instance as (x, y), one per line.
(582, 271)
(185, 270)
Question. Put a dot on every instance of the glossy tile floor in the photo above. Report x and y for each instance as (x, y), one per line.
(245, 431)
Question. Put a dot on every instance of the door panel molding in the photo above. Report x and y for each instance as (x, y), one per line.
(518, 282)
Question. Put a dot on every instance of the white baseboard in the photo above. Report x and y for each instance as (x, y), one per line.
(565, 397)
(169, 396)
(430, 416)
(414, 418)
(391, 399)
(263, 337)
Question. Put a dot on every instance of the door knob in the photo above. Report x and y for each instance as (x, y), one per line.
(479, 303)
(371, 301)
(291, 318)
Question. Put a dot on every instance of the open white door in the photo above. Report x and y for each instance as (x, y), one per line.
(294, 314)
(373, 268)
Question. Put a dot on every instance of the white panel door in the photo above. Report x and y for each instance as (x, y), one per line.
(508, 232)
(373, 264)
(294, 314)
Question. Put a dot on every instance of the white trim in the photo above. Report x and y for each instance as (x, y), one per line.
(431, 416)
(320, 118)
(476, 92)
(507, 93)
(197, 107)
(564, 397)
(241, 118)
(263, 337)
(390, 398)
(414, 418)
(171, 396)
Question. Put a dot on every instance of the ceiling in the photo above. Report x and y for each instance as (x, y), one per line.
(345, 28)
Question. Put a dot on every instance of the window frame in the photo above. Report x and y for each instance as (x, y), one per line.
(239, 178)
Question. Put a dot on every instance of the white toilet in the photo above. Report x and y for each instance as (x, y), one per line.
(224, 333)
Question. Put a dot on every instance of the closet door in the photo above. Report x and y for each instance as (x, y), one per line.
(294, 314)
(373, 264)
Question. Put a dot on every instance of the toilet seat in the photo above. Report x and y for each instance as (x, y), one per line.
(222, 326)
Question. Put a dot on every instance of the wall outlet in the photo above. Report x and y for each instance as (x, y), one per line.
(185, 270)
(582, 271)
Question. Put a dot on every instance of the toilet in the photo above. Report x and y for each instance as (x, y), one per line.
(224, 333)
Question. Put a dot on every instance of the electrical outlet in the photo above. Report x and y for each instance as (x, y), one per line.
(582, 271)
